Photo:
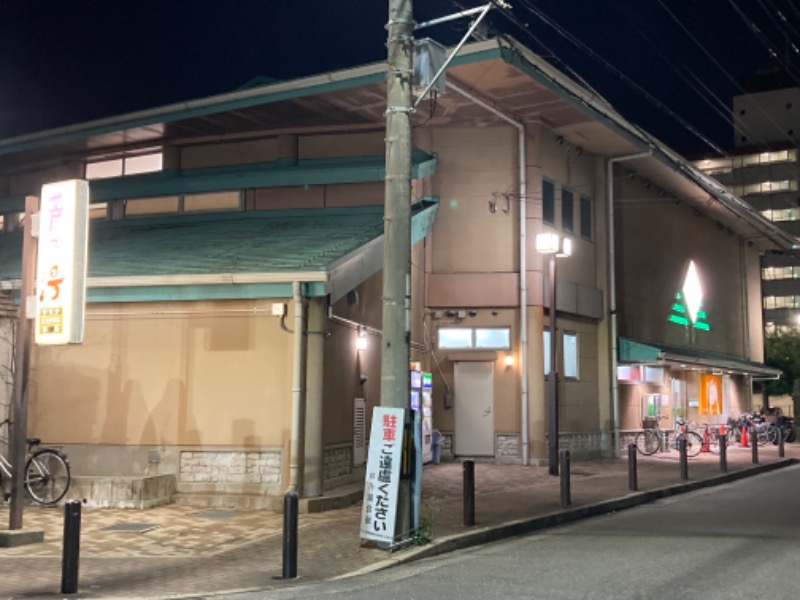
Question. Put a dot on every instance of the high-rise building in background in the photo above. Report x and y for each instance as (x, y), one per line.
(763, 170)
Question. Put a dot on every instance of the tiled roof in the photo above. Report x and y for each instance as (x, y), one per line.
(251, 242)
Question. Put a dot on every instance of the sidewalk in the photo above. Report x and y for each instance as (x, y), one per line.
(184, 551)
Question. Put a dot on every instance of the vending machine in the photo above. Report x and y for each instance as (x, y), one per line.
(422, 405)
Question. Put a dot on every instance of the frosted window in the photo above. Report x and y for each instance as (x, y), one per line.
(147, 163)
(499, 338)
(570, 343)
(455, 337)
(104, 169)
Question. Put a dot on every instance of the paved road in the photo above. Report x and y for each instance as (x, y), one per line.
(740, 540)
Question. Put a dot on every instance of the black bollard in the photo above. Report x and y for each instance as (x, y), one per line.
(290, 535)
(683, 458)
(566, 500)
(633, 480)
(72, 547)
(754, 444)
(781, 446)
(723, 453)
(469, 492)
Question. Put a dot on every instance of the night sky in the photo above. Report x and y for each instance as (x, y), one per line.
(76, 60)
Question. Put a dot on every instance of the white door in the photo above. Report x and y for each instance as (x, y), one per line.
(474, 404)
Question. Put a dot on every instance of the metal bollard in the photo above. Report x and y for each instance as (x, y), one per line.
(469, 492)
(683, 459)
(633, 480)
(566, 500)
(781, 445)
(723, 453)
(290, 535)
(754, 444)
(72, 547)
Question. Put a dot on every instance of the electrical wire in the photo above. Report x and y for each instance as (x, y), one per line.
(624, 78)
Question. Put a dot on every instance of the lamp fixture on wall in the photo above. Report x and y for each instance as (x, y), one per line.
(361, 340)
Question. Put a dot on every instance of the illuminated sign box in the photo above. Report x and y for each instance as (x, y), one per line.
(61, 262)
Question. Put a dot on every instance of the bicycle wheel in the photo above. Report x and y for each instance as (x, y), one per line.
(47, 476)
(694, 443)
(647, 442)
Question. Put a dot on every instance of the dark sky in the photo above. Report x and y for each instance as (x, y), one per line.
(76, 60)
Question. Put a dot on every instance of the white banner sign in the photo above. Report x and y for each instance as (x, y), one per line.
(61, 262)
(383, 475)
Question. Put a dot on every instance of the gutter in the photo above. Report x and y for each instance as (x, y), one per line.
(612, 290)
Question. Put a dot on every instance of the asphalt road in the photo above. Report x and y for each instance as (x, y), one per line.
(740, 540)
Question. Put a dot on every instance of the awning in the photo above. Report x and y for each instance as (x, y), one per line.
(634, 352)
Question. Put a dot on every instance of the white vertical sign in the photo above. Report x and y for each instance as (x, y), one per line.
(61, 262)
(383, 474)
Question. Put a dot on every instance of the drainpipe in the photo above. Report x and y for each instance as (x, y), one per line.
(523, 264)
(612, 288)
(297, 441)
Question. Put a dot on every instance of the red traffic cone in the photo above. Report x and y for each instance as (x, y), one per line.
(744, 443)
(704, 447)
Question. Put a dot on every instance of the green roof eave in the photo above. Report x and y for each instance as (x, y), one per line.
(309, 86)
(363, 169)
(631, 351)
(188, 293)
(636, 352)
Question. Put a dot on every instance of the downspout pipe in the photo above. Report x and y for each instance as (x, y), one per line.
(523, 263)
(297, 439)
(612, 288)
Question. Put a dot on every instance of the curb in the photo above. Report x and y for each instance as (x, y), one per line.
(485, 535)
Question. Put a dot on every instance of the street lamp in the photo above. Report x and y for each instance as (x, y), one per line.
(554, 246)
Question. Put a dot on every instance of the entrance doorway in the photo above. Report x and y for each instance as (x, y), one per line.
(474, 391)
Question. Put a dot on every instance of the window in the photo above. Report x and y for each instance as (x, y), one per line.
(586, 217)
(455, 337)
(495, 338)
(548, 202)
(474, 338)
(128, 165)
(570, 351)
(546, 341)
(567, 210)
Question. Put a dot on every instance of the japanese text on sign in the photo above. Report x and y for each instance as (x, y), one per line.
(61, 262)
(383, 474)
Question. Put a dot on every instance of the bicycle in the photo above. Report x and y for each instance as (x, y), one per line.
(47, 473)
(650, 441)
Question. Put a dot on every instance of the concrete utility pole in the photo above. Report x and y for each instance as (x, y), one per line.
(397, 224)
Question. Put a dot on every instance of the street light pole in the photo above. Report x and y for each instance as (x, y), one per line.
(554, 246)
(552, 382)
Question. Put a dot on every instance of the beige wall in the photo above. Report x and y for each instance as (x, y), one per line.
(473, 165)
(342, 145)
(230, 153)
(210, 373)
(31, 182)
(655, 240)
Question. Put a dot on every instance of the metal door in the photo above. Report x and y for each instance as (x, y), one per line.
(474, 405)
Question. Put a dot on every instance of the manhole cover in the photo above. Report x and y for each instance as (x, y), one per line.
(131, 527)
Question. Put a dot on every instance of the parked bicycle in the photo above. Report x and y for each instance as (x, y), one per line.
(654, 440)
(47, 474)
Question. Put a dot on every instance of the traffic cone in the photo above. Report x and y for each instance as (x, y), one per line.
(744, 443)
(704, 446)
